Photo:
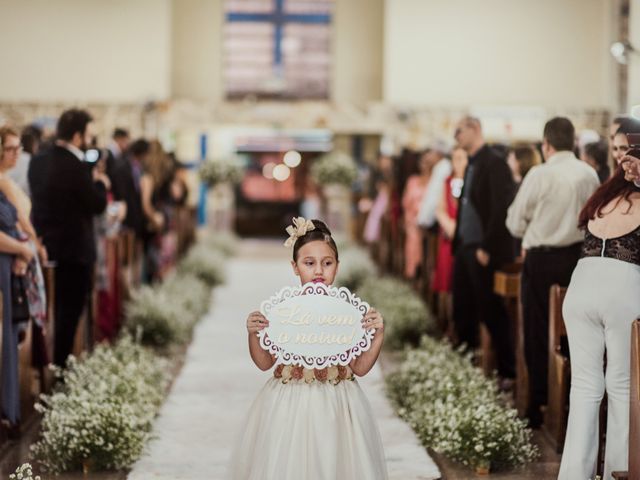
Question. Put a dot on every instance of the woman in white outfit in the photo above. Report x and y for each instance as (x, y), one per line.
(602, 301)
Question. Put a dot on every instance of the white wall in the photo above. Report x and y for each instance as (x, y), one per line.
(549, 53)
(196, 66)
(85, 50)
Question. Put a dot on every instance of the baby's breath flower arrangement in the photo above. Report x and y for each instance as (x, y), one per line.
(224, 242)
(102, 414)
(206, 264)
(157, 316)
(335, 168)
(406, 316)
(23, 472)
(356, 266)
(457, 411)
(223, 170)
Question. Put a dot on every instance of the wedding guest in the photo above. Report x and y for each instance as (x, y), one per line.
(66, 194)
(126, 185)
(30, 139)
(620, 143)
(15, 255)
(481, 245)
(596, 155)
(380, 205)
(34, 280)
(117, 150)
(521, 159)
(446, 215)
(545, 215)
(441, 171)
(411, 199)
(155, 173)
(601, 303)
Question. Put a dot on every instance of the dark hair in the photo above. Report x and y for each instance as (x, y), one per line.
(628, 125)
(527, 157)
(560, 133)
(71, 122)
(120, 133)
(321, 232)
(140, 147)
(30, 137)
(599, 151)
(614, 187)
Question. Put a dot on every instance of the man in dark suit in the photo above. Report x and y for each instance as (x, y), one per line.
(116, 151)
(126, 184)
(66, 194)
(482, 244)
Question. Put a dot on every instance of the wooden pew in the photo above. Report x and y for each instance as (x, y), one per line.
(634, 409)
(507, 285)
(556, 414)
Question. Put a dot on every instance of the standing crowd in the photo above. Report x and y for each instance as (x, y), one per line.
(568, 209)
(61, 199)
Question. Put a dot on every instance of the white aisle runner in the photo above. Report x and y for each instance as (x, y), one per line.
(202, 416)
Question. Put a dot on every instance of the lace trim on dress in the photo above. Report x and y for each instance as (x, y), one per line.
(625, 248)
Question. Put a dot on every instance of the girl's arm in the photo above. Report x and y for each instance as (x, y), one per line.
(361, 365)
(263, 359)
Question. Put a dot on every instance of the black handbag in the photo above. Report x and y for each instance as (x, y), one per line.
(19, 301)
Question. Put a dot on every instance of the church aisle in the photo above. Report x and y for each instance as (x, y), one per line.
(205, 410)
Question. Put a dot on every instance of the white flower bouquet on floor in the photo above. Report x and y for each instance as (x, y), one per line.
(407, 317)
(24, 472)
(205, 263)
(101, 415)
(356, 267)
(457, 411)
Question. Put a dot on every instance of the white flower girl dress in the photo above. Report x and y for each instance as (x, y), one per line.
(310, 425)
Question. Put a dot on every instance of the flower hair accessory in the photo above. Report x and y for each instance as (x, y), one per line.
(299, 228)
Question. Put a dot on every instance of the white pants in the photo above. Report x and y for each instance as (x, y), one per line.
(601, 304)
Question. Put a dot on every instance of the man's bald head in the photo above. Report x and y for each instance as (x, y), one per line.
(469, 134)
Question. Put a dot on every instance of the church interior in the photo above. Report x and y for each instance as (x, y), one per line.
(243, 115)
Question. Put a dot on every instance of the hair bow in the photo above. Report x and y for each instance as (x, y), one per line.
(299, 228)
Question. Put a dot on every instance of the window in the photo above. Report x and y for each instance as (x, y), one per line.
(277, 48)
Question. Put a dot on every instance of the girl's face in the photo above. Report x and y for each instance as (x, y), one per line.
(619, 147)
(10, 152)
(316, 263)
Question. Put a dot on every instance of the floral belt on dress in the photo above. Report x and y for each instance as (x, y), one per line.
(332, 375)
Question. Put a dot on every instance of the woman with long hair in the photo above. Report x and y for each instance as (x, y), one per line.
(601, 303)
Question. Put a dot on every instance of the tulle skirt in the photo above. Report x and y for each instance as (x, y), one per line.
(317, 431)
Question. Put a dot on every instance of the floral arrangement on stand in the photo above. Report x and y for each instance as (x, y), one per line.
(101, 414)
(335, 168)
(223, 170)
(407, 317)
(457, 411)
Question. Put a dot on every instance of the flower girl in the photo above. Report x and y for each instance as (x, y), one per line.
(311, 424)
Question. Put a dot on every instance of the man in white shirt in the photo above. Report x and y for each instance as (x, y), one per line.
(545, 215)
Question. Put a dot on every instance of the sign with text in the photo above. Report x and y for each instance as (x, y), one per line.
(315, 326)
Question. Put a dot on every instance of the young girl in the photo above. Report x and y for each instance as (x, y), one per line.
(311, 424)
